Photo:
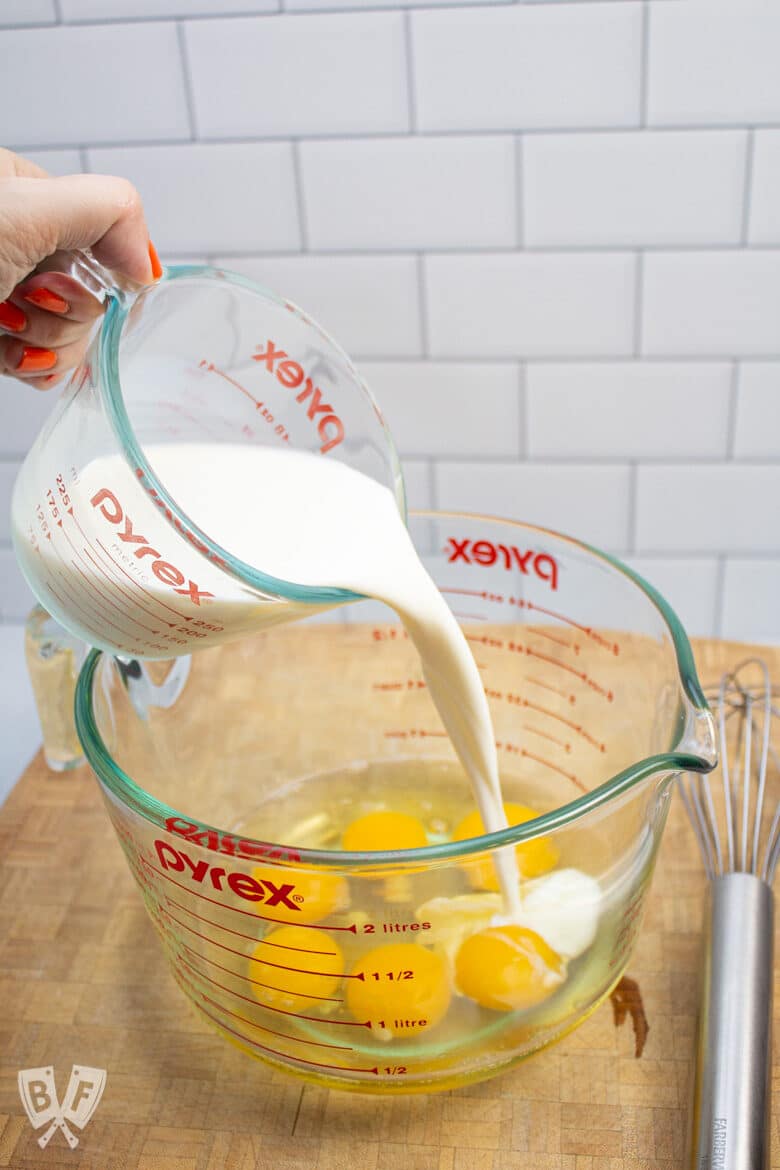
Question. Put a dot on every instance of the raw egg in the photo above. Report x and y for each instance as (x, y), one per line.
(295, 968)
(534, 857)
(508, 968)
(384, 830)
(321, 893)
(401, 989)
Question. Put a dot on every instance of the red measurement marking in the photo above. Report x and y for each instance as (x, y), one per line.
(286, 1055)
(514, 749)
(212, 369)
(415, 733)
(535, 731)
(88, 623)
(485, 640)
(127, 594)
(255, 982)
(266, 1006)
(187, 984)
(352, 928)
(559, 641)
(251, 937)
(580, 674)
(577, 728)
(411, 684)
(265, 962)
(138, 585)
(95, 590)
(387, 686)
(481, 593)
(588, 630)
(549, 687)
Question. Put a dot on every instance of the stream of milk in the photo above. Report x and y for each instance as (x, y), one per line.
(315, 521)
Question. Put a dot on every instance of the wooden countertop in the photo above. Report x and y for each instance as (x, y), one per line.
(83, 981)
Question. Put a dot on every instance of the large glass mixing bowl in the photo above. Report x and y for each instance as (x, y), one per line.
(230, 778)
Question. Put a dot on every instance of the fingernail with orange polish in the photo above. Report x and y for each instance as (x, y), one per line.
(154, 260)
(11, 317)
(34, 358)
(44, 298)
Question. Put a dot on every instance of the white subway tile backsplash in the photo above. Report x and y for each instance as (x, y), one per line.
(456, 187)
(16, 599)
(410, 192)
(764, 224)
(370, 304)
(751, 600)
(56, 162)
(689, 584)
(27, 12)
(98, 97)
(530, 305)
(527, 66)
(116, 9)
(448, 408)
(335, 74)
(713, 63)
(587, 502)
(711, 303)
(638, 187)
(757, 432)
(23, 412)
(628, 409)
(212, 197)
(709, 508)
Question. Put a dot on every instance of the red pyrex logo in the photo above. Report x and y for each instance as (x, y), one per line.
(485, 552)
(110, 508)
(249, 888)
(228, 843)
(291, 374)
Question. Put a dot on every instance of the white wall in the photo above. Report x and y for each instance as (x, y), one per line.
(549, 232)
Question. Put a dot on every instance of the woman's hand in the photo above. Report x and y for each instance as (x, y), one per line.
(45, 315)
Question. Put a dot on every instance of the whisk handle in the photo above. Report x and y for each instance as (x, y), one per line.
(732, 1084)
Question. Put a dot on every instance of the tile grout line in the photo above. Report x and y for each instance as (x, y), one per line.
(422, 295)
(731, 412)
(639, 286)
(411, 93)
(433, 486)
(644, 65)
(747, 190)
(189, 93)
(58, 11)
(520, 200)
(498, 132)
(720, 594)
(523, 437)
(633, 478)
(300, 201)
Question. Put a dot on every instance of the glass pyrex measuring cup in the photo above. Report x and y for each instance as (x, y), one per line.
(203, 354)
(356, 969)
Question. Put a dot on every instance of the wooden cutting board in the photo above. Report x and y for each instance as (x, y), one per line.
(83, 982)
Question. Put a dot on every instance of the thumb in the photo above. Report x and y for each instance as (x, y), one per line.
(39, 216)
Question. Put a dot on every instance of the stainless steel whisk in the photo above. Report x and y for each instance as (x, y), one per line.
(738, 830)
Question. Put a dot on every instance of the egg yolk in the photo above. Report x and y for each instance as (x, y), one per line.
(384, 830)
(404, 989)
(295, 968)
(321, 893)
(508, 968)
(533, 857)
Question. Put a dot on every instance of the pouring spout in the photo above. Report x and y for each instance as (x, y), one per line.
(699, 737)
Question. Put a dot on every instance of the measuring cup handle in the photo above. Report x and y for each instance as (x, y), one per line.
(101, 282)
